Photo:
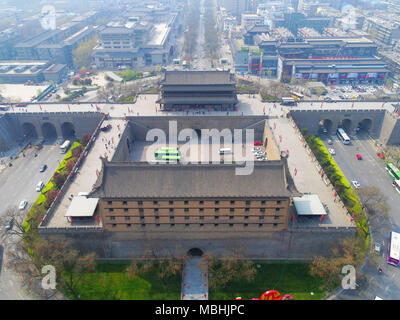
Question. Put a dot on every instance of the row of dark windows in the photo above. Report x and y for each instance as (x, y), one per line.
(128, 225)
(200, 217)
(232, 202)
(171, 210)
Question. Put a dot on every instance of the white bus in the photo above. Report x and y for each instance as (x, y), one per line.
(396, 185)
(342, 135)
(225, 151)
(288, 101)
(394, 249)
(64, 147)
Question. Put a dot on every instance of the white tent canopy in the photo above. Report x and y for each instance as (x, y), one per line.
(309, 205)
(82, 207)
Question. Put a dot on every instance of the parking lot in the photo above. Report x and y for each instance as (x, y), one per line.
(198, 153)
(348, 92)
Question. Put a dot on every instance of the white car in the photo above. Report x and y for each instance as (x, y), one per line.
(22, 204)
(356, 184)
(331, 151)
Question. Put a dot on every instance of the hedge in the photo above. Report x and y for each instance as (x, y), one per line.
(41, 200)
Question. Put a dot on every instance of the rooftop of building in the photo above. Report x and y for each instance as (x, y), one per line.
(144, 180)
(198, 78)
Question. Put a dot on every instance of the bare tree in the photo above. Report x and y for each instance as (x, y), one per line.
(393, 153)
(374, 205)
(371, 198)
(16, 218)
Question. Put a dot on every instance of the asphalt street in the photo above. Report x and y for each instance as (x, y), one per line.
(370, 171)
(18, 183)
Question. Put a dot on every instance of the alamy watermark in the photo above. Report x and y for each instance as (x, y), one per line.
(49, 280)
(205, 146)
(349, 280)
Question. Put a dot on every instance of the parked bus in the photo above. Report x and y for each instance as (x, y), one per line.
(396, 185)
(64, 147)
(225, 151)
(288, 101)
(394, 249)
(171, 158)
(393, 171)
(158, 154)
(342, 135)
(296, 95)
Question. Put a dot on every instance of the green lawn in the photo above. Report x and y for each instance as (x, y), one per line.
(110, 282)
(286, 277)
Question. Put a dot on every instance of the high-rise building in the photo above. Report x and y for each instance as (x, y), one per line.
(236, 7)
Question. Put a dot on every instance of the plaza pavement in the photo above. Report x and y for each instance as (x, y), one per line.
(87, 176)
(306, 176)
(194, 279)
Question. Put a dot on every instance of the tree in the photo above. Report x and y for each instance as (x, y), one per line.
(349, 252)
(229, 268)
(393, 153)
(372, 199)
(76, 152)
(17, 229)
(82, 55)
(59, 179)
(51, 195)
(85, 139)
(69, 264)
(374, 205)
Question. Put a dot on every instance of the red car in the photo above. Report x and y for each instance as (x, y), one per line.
(258, 143)
(359, 157)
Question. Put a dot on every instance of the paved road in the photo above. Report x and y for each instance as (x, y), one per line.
(19, 181)
(16, 183)
(371, 172)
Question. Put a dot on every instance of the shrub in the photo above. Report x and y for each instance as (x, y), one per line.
(50, 197)
(70, 165)
(76, 152)
(85, 139)
(59, 179)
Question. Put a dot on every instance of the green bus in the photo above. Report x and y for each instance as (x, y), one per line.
(168, 149)
(171, 158)
(166, 152)
(393, 171)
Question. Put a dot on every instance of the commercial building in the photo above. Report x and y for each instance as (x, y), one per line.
(296, 20)
(198, 90)
(335, 70)
(382, 30)
(308, 33)
(15, 71)
(250, 20)
(236, 7)
(138, 41)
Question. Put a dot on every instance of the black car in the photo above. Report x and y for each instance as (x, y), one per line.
(106, 128)
(43, 168)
